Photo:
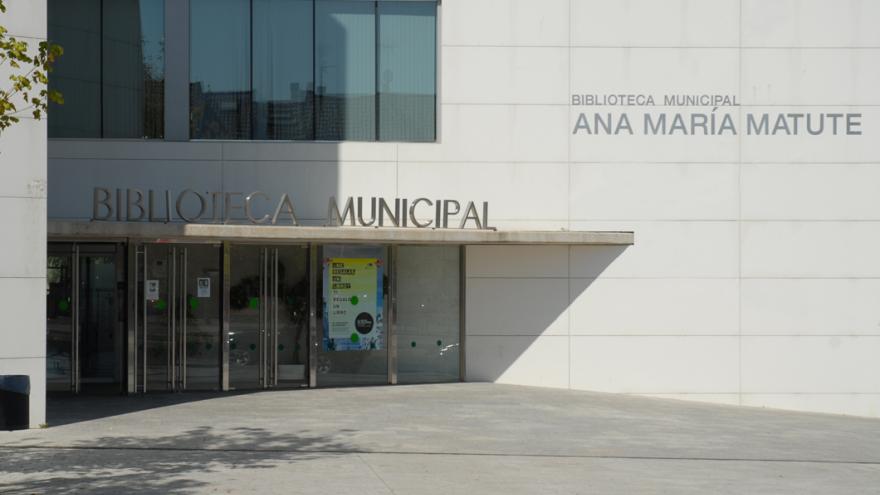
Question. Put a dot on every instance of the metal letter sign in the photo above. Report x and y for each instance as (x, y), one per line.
(191, 206)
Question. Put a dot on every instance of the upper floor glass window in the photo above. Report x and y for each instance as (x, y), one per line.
(313, 70)
(219, 67)
(112, 73)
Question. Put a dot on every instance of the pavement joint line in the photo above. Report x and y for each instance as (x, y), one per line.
(426, 453)
(370, 467)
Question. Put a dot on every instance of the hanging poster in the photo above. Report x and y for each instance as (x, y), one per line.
(353, 319)
(151, 290)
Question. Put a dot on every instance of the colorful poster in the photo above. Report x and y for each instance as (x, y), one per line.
(353, 319)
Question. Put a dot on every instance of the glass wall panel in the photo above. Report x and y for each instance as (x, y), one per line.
(245, 316)
(220, 69)
(339, 362)
(202, 310)
(268, 316)
(428, 314)
(345, 70)
(158, 320)
(133, 68)
(293, 315)
(407, 71)
(112, 73)
(101, 334)
(283, 68)
(59, 322)
(76, 26)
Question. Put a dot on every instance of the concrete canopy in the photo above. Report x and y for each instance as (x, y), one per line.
(58, 229)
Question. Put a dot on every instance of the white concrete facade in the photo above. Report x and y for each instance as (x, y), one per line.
(754, 275)
(23, 217)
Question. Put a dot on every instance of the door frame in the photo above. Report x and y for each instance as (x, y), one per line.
(76, 251)
(176, 364)
(137, 312)
(268, 368)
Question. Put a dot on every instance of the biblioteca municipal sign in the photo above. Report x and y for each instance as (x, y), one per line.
(137, 205)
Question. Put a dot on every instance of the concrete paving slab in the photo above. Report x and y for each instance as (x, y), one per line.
(452, 438)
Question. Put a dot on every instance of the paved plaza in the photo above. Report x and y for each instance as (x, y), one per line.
(435, 439)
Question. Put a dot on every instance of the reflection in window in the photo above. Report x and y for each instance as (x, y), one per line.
(134, 68)
(123, 97)
(220, 79)
(407, 65)
(345, 69)
(76, 26)
(283, 83)
(315, 72)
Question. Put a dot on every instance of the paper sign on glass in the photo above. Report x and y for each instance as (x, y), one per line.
(151, 290)
(204, 287)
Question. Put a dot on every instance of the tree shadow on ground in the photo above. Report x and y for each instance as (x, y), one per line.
(180, 463)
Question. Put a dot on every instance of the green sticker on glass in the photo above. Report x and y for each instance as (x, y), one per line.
(354, 300)
(253, 347)
(439, 343)
(160, 304)
(355, 338)
(63, 305)
(254, 302)
(193, 303)
(412, 344)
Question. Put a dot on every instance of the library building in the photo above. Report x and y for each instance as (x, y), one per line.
(664, 198)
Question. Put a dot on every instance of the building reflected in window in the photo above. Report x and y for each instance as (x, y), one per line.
(327, 70)
(112, 74)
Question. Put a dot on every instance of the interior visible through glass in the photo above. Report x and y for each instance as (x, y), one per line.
(59, 321)
(268, 316)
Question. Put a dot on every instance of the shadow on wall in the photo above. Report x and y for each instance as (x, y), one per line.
(520, 314)
(179, 463)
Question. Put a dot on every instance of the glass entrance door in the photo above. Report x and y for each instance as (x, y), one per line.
(178, 317)
(101, 320)
(85, 320)
(268, 316)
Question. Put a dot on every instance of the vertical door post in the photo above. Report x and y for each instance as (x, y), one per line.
(131, 319)
(263, 317)
(275, 302)
(462, 314)
(74, 354)
(224, 338)
(313, 317)
(172, 320)
(184, 306)
(146, 327)
(391, 335)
